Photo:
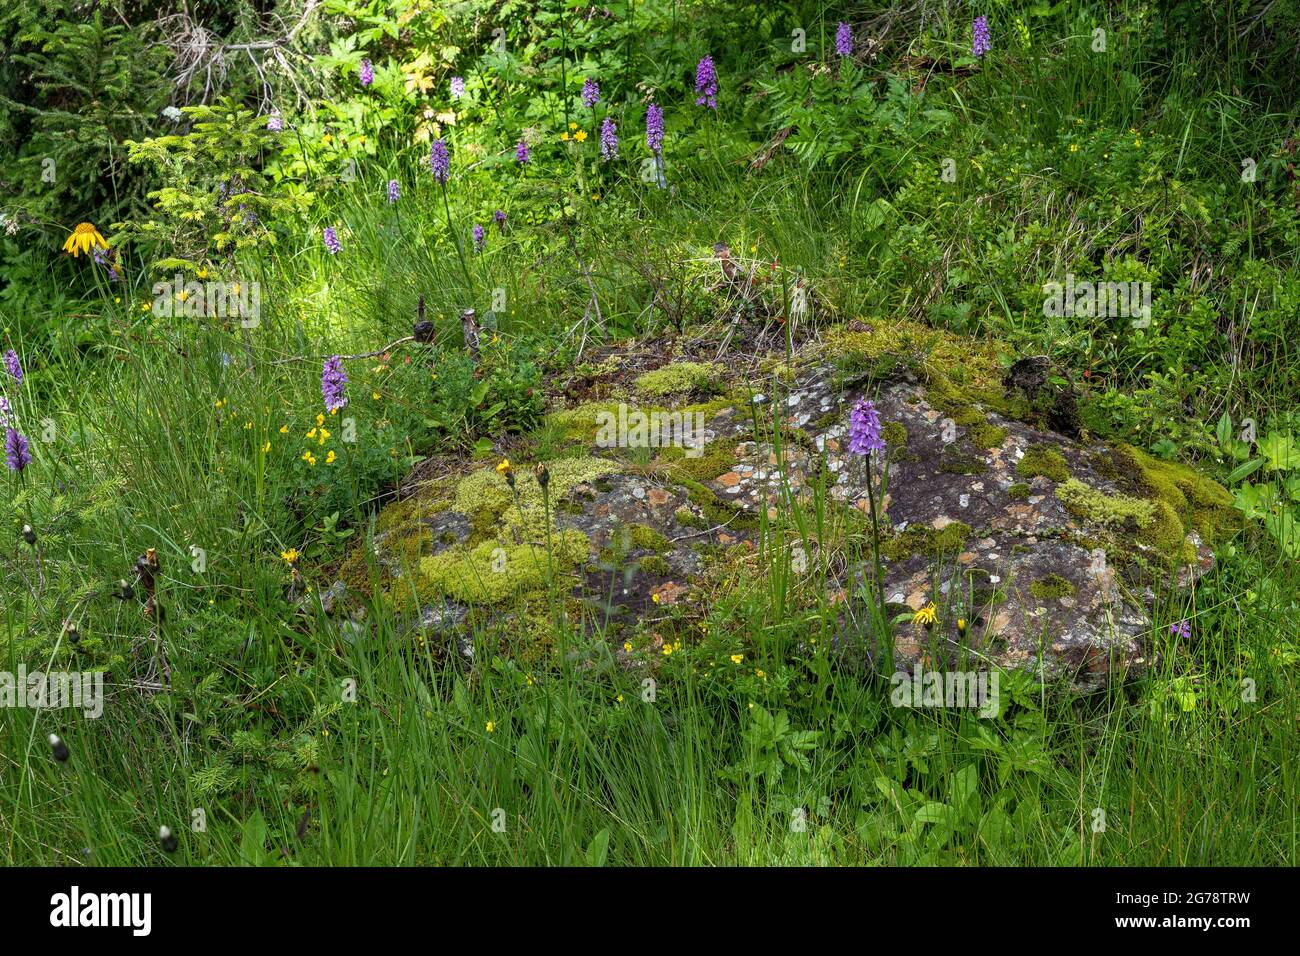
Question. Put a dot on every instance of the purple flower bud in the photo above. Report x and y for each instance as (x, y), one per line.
(17, 450)
(274, 123)
(394, 191)
(654, 128)
(521, 151)
(981, 43)
(480, 238)
(706, 83)
(864, 429)
(332, 241)
(590, 93)
(844, 39)
(608, 139)
(14, 366)
(499, 218)
(457, 87)
(332, 382)
(439, 160)
(367, 73)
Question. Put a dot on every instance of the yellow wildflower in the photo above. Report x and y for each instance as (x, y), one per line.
(927, 614)
(291, 556)
(85, 238)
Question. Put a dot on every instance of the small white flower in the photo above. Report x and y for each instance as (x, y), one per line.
(173, 114)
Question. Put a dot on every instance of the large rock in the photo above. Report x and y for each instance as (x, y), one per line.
(1037, 551)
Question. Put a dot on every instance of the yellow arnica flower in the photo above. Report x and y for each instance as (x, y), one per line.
(290, 556)
(85, 238)
(927, 614)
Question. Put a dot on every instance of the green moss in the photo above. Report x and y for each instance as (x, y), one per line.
(986, 435)
(689, 519)
(1043, 460)
(678, 377)
(648, 539)
(923, 539)
(955, 463)
(894, 434)
(677, 463)
(1109, 511)
(1019, 491)
(490, 572)
(423, 504)
(516, 517)
(716, 511)
(1161, 502)
(655, 565)
(1052, 586)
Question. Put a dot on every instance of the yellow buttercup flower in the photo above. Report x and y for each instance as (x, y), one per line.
(491, 726)
(737, 658)
(85, 238)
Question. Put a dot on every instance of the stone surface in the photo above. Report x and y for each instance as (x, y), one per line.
(1018, 579)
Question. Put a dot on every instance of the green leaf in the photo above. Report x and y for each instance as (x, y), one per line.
(252, 842)
(598, 850)
(1281, 451)
(1241, 471)
(1223, 431)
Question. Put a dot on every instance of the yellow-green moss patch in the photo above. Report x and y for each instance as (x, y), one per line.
(1052, 586)
(490, 572)
(925, 540)
(986, 435)
(1043, 460)
(516, 517)
(678, 378)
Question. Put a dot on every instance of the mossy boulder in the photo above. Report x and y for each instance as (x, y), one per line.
(1046, 547)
